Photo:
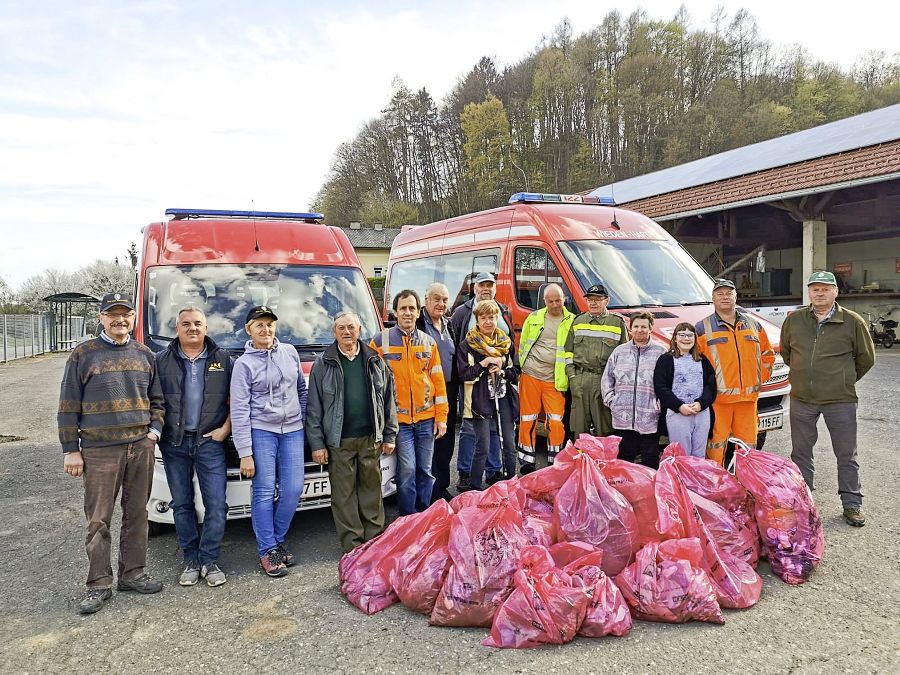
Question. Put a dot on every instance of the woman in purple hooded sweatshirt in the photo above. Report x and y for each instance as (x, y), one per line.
(268, 404)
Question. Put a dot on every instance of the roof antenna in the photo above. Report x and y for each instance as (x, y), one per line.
(612, 191)
(255, 235)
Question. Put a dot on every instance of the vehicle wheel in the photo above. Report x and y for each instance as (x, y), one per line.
(887, 341)
(760, 439)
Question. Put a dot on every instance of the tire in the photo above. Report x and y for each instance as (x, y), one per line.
(760, 439)
(887, 341)
(156, 529)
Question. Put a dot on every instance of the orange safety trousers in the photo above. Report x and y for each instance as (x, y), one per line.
(535, 395)
(732, 419)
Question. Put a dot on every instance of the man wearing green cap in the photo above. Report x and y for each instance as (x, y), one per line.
(828, 349)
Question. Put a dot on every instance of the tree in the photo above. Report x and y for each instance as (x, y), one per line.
(104, 276)
(486, 148)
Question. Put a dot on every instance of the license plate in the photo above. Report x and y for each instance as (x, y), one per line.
(316, 487)
(771, 422)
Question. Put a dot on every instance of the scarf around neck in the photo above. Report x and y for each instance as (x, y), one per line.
(497, 344)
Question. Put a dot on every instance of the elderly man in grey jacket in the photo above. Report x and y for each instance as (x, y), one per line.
(351, 419)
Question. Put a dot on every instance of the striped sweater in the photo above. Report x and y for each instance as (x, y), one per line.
(110, 395)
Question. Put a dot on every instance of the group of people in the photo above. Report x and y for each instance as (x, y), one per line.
(404, 390)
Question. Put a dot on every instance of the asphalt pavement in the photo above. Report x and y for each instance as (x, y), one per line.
(845, 619)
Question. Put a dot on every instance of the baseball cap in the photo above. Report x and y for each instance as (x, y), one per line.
(260, 311)
(485, 276)
(723, 283)
(821, 278)
(597, 289)
(111, 300)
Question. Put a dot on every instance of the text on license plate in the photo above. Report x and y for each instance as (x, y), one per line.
(771, 422)
(317, 487)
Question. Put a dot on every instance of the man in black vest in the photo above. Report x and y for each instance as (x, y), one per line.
(196, 376)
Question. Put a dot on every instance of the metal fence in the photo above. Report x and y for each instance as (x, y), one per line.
(26, 335)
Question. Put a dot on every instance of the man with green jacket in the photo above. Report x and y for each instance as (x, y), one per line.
(351, 419)
(593, 336)
(828, 349)
(543, 380)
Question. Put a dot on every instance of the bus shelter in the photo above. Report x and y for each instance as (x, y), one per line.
(73, 317)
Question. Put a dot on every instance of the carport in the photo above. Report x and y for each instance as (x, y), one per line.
(768, 214)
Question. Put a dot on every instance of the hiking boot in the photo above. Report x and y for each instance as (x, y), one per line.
(288, 558)
(463, 487)
(463, 479)
(272, 564)
(213, 575)
(525, 469)
(94, 599)
(142, 584)
(191, 573)
(855, 516)
(494, 478)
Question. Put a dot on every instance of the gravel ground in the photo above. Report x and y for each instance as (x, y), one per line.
(843, 620)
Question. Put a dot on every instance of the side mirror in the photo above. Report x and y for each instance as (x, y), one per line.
(391, 320)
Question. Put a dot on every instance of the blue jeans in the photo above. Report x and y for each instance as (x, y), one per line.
(278, 458)
(415, 447)
(208, 461)
(466, 450)
(487, 427)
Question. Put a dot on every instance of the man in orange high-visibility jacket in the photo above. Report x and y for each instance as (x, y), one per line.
(421, 394)
(738, 349)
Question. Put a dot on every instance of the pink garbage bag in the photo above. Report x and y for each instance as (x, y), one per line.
(544, 607)
(787, 517)
(587, 509)
(607, 612)
(485, 544)
(419, 571)
(667, 583)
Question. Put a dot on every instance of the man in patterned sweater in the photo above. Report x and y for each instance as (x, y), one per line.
(110, 417)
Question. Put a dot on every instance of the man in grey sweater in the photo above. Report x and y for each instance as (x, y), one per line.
(110, 417)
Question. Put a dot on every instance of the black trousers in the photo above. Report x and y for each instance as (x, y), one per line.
(633, 443)
(443, 448)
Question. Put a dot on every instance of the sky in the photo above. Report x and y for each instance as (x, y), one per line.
(111, 112)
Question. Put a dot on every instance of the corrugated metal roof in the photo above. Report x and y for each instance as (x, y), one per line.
(371, 238)
(859, 131)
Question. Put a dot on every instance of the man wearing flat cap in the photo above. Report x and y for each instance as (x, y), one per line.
(738, 349)
(592, 338)
(829, 349)
(110, 417)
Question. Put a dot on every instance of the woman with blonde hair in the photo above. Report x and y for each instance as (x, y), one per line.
(487, 366)
(686, 386)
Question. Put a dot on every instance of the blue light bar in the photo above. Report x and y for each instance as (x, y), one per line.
(538, 197)
(180, 214)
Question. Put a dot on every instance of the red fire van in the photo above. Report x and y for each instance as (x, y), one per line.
(226, 262)
(574, 241)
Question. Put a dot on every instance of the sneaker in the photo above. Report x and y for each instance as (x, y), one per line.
(93, 600)
(213, 574)
(288, 558)
(272, 564)
(463, 479)
(191, 573)
(142, 584)
(855, 516)
(494, 478)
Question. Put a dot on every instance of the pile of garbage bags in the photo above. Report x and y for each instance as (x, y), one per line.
(592, 542)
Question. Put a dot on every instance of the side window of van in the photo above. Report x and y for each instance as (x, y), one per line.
(417, 275)
(460, 270)
(534, 269)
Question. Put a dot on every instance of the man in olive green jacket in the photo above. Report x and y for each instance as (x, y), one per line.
(829, 349)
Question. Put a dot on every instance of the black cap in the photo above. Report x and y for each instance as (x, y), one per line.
(111, 300)
(259, 311)
(723, 283)
(597, 289)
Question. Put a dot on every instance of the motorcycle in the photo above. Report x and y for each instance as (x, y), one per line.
(882, 329)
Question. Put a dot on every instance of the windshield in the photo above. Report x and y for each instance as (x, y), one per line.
(639, 272)
(306, 299)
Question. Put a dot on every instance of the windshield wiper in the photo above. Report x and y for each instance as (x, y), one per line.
(160, 337)
(691, 304)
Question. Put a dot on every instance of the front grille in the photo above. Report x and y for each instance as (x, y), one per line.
(769, 403)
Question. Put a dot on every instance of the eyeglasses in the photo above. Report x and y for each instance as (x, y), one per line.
(116, 315)
(684, 334)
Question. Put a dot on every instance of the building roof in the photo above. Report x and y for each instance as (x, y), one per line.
(367, 237)
(853, 133)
